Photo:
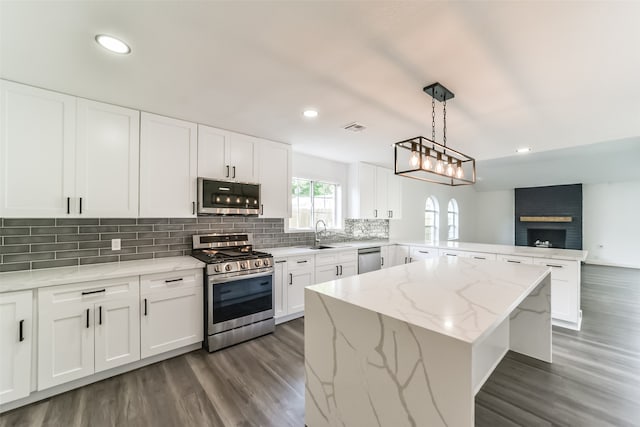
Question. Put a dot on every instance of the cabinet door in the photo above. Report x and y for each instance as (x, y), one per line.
(171, 319)
(117, 333)
(107, 161)
(168, 162)
(401, 254)
(385, 260)
(212, 153)
(65, 342)
(382, 193)
(367, 189)
(348, 269)
(241, 157)
(395, 196)
(15, 345)
(298, 280)
(280, 285)
(274, 175)
(37, 143)
(326, 273)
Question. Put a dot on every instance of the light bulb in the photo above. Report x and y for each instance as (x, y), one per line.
(459, 170)
(427, 163)
(439, 164)
(228, 200)
(414, 160)
(449, 167)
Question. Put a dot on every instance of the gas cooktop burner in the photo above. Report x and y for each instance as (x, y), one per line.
(229, 254)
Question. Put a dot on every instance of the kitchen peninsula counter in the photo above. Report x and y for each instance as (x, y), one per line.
(412, 345)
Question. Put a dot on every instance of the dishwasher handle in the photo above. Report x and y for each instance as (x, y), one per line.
(372, 250)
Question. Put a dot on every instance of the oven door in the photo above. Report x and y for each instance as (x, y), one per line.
(227, 198)
(239, 301)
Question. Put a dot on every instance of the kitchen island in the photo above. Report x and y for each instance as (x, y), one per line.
(413, 344)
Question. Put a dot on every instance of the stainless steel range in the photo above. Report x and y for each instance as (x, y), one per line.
(239, 289)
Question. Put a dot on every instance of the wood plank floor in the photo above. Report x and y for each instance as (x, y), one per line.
(594, 380)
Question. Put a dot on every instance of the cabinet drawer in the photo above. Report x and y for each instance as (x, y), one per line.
(301, 262)
(330, 258)
(481, 256)
(94, 291)
(516, 259)
(174, 280)
(348, 256)
(421, 253)
(560, 270)
(452, 253)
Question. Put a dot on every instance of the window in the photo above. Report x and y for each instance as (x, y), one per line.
(431, 219)
(452, 220)
(312, 201)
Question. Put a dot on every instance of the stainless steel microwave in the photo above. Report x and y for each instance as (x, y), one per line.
(217, 197)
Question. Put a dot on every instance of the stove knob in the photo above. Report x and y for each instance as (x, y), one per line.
(227, 267)
(217, 268)
(243, 265)
(258, 263)
(265, 262)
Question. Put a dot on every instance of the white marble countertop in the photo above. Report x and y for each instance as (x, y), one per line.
(458, 297)
(32, 279)
(564, 254)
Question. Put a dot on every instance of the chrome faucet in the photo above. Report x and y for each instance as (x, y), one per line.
(317, 241)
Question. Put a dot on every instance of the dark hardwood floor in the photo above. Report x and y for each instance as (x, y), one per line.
(594, 380)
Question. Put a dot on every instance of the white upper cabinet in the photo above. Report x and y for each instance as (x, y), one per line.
(374, 192)
(64, 156)
(225, 155)
(273, 165)
(168, 167)
(37, 144)
(108, 146)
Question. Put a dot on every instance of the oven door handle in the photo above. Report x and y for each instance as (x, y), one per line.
(236, 278)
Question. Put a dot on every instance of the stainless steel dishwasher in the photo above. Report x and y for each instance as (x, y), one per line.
(368, 259)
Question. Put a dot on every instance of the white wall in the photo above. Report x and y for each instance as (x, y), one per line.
(414, 197)
(494, 217)
(319, 169)
(611, 223)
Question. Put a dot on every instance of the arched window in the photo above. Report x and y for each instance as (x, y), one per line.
(431, 219)
(453, 229)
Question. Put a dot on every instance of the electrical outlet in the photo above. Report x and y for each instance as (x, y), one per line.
(115, 244)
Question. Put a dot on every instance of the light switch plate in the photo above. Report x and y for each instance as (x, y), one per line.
(115, 244)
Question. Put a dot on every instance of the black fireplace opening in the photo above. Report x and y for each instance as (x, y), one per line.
(556, 238)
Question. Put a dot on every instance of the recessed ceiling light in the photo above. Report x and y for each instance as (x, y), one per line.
(310, 113)
(113, 44)
(523, 150)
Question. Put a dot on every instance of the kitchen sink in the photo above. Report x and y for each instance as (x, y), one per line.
(321, 247)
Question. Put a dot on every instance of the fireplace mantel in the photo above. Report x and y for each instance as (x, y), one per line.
(546, 219)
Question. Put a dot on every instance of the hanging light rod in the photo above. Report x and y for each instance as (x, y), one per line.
(427, 160)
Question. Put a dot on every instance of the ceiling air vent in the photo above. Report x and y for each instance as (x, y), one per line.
(355, 127)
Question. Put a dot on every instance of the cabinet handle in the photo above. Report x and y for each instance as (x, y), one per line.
(302, 262)
(555, 265)
(341, 270)
(337, 270)
(381, 261)
(68, 205)
(278, 262)
(87, 318)
(261, 209)
(145, 306)
(173, 280)
(234, 172)
(290, 278)
(410, 259)
(375, 213)
(193, 208)
(21, 330)
(80, 204)
(424, 252)
(100, 315)
(405, 260)
(94, 292)
(515, 262)
(227, 171)
(391, 212)
(479, 257)
(451, 255)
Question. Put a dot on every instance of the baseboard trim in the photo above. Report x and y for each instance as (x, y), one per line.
(288, 317)
(62, 388)
(574, 326)
(610, 264)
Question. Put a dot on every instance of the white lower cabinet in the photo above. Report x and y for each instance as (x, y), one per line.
(171, 311)
(336, 265)
(15, 345)
(85, 328)
(565, 295)
(280, 285)
(398, 255)
(417, 253)
(301, 272)
(385, 260)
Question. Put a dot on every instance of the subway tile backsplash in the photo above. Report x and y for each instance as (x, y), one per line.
(46, 242)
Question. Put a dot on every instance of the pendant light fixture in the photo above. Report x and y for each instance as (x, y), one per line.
(427, 160)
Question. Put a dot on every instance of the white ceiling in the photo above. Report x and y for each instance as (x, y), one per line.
(549, 75)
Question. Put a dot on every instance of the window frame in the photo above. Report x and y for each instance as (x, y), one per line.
(338, 205)
(455, 212)
(436, 219)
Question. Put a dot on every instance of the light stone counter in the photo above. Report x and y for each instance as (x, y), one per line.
(32, 279)
(411, 345)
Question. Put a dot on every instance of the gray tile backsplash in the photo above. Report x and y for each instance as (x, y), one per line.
(46, 242)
